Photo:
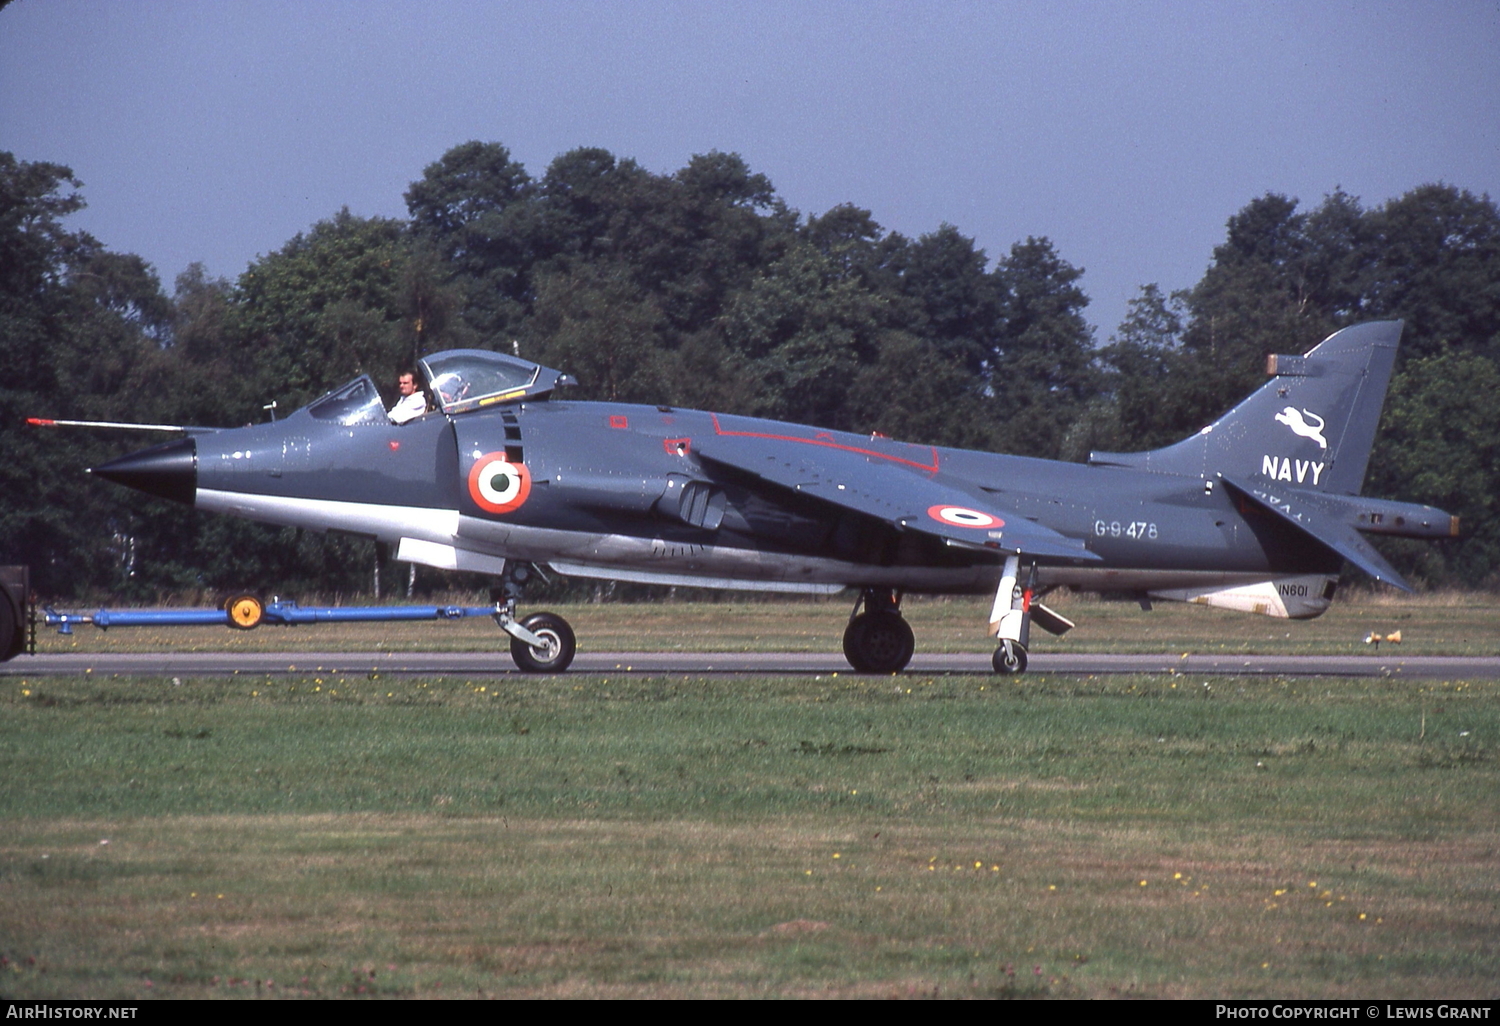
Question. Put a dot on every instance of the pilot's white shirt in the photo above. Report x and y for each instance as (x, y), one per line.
(408, 407)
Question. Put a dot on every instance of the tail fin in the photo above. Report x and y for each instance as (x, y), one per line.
(1311, 425)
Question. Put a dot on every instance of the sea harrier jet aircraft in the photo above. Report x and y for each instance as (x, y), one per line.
(503, 474)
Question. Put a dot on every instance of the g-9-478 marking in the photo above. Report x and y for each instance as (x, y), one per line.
(1141, 530)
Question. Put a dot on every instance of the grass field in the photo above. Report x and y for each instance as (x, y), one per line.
(834, 835)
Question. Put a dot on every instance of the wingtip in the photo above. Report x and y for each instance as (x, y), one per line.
(1396, 581)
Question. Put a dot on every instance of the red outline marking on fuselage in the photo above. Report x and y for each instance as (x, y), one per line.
(931, 468)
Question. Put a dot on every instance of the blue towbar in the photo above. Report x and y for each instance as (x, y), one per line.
(245, 612)
(290, 612)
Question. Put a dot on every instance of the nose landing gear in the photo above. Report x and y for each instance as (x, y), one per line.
(542, 642)
(555, 651)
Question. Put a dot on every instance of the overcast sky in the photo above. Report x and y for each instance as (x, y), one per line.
(1128, 133)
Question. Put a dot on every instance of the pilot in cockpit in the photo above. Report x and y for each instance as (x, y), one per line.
(413, 402)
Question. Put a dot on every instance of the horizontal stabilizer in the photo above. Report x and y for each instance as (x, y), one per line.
(1318, 516)
(890, 490)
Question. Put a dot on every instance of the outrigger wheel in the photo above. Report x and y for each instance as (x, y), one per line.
(1010, 617)
(1009, 658)
(878, 640)
(245, 611)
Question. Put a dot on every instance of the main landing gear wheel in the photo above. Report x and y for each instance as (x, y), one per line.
(7, 629)
(558, 645)
(878, 642)
(245, 611)
(1010, 658)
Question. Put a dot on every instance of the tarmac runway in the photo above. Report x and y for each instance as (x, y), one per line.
(498, 664)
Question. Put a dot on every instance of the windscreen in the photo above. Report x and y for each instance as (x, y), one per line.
(358, 402)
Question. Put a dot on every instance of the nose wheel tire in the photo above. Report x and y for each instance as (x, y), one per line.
(878, 642)
(1010, 658)
(557, 649)
(245, 611)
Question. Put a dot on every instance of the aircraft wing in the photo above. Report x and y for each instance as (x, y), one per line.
(1318, 515)
(893, 490)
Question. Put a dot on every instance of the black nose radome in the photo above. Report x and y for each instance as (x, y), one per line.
(169, 470)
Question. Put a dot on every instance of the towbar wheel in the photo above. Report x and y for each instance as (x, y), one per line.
(245, 611)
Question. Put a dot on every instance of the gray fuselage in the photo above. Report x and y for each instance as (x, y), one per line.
(622, 488)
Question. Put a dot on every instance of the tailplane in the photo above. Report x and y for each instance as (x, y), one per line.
(1311, 426)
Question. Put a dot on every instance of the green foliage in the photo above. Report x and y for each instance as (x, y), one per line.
(79, 328)
(1254, 300)
(469, 184)
(469, 208)
(1434, 257)
(1043, 375)
(1140, 360)
(32, 205)
(914, 391)
(598, 324)
(803, 332)
(327, 306)
(1441, 445)
(951, 299)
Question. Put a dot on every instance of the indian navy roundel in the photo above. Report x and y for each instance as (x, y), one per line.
(960, 516)
(498, 486)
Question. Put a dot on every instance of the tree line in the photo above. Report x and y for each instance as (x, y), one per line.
(701, 288)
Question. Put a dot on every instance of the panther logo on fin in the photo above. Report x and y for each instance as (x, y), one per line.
(1293, 418)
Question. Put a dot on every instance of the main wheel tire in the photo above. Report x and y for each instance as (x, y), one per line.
(245, 611)
(1010, 658)
(8, 627)
(560, 645)
(878, 642)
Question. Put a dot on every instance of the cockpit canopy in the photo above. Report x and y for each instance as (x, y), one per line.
(462, 380)
(459, 380)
